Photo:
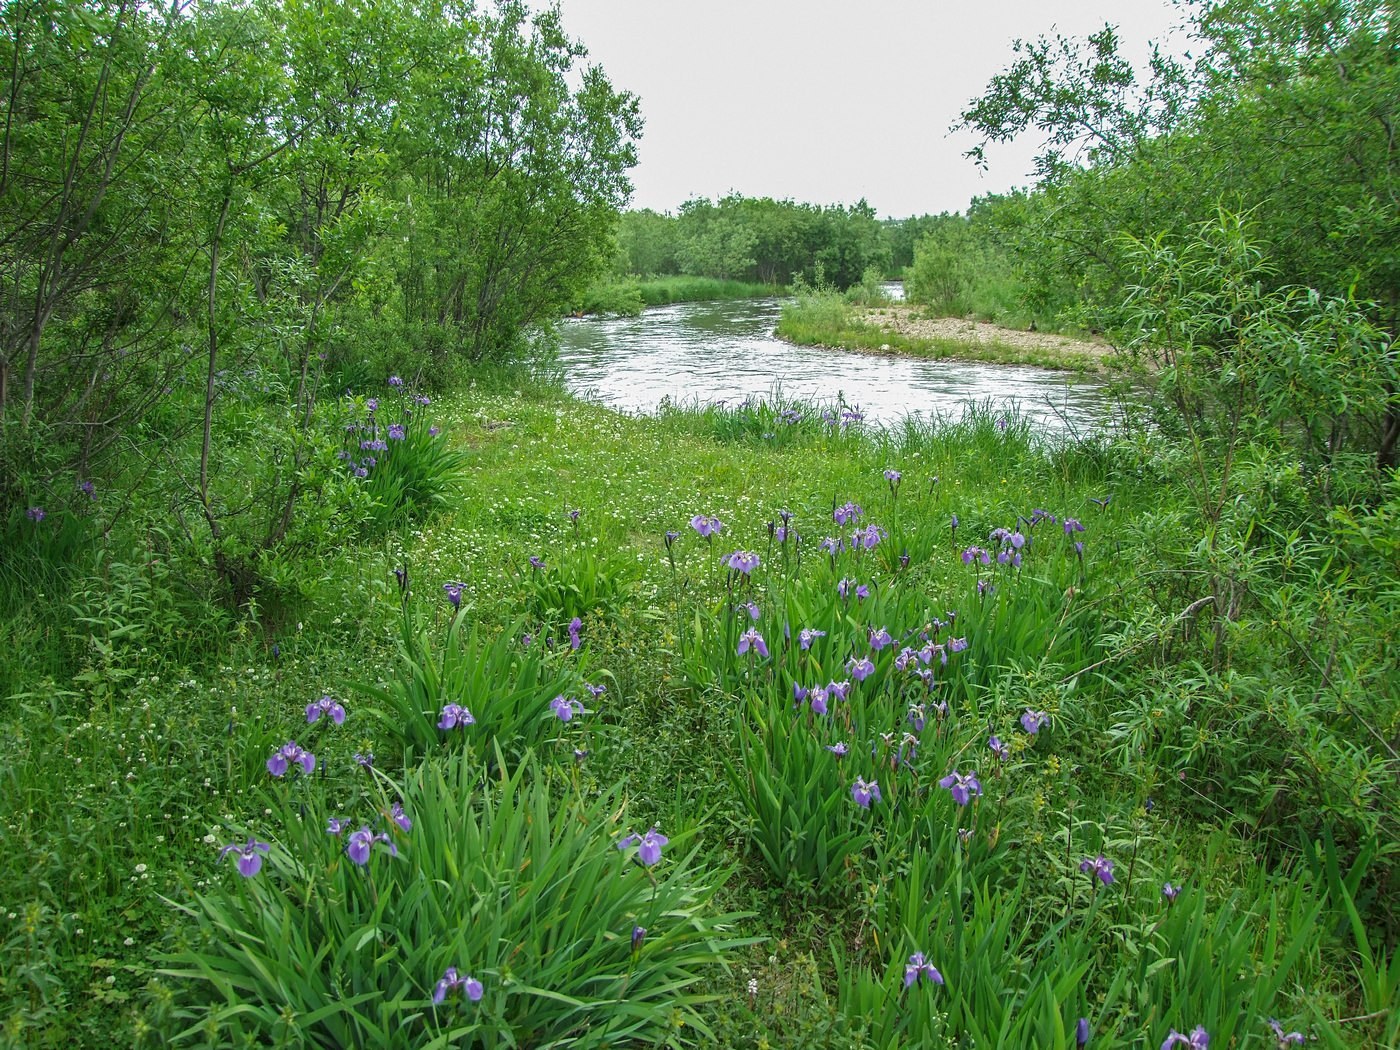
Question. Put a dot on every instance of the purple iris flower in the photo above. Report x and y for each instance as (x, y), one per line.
(671, 536)
(336, 825)
(971, 554)
(839, 690)
(372, 404)
(999, 749)
(838, 749)
(817, 699)
(1073, 525)
(35, 514)
(843, 587)
(905, 659)
(325, 706)
(565, 708)
(918, 968)
(454, 715)
(917, 717)
(595, 690)
(648, 845)
(433, 432)
(743, 561)
(860, 669)
(365, 759)
(638, 935)
(893, 476)
(574, 515)
(1099, 867)
(574, 626)
(1198, 1040)
(88, 489)
(962, 788)
(867, 537)
(864, 792)
(536, 562)
(807, 636)
(706, 527)
(395, 381)
(847, 513)
(1081, 1033)
(880, 638)
(361, 842)
(396, 432)
(752, 609)
(862, 592)
(288, 753)
(956, 645)
(1170, 892)
(399, 817)
(833, 545)
(422, 400)
(751, 639)
(450, 982)
(1033, 721)
(454, 593)
(1285, 1039)
(249, 863)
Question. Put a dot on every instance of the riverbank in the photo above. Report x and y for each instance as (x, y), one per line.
(628, 298)
(902, 329)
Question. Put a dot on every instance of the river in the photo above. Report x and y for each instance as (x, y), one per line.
(726, 352)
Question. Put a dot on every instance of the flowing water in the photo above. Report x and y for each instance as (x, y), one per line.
(726, 352)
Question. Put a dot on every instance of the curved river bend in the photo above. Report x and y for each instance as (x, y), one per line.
(726, 352)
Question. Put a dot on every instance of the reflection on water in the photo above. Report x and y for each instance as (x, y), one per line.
(711, 352)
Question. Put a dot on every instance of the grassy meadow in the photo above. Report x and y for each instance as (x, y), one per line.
(749, 727)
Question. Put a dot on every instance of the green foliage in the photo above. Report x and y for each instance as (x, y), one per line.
(1282, 92)
(757, 241)
(497, 878)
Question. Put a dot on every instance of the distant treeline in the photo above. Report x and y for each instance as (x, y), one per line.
(765, 241)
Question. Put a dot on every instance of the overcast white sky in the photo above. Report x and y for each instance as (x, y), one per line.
(826, 102)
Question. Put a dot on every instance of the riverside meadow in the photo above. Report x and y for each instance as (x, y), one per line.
(363, 686)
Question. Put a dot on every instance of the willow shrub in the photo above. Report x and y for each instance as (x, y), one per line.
(565, 937)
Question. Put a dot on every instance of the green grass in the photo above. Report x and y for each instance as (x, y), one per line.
(126, 765)
(820, 320)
